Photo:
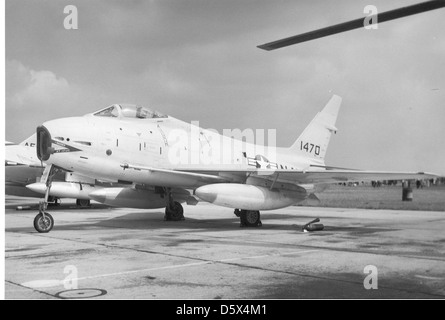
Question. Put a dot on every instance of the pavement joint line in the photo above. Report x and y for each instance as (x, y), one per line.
(204, 262)
(266, 256)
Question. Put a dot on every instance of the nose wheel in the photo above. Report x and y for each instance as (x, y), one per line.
(43, 222)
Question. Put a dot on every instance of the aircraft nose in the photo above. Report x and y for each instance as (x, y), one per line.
(44, 144)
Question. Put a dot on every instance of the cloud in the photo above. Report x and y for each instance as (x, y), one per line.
(35, 96)
(26, 87)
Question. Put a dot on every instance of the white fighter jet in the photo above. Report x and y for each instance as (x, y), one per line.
(163, 162)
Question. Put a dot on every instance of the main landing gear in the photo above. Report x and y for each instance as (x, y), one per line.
(44, 222)
(249, 218)
(83, 203)
(174, 210)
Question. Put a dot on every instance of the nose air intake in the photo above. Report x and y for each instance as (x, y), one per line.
(44, 149)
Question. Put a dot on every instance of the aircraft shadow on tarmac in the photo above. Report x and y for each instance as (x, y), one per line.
(155, 221)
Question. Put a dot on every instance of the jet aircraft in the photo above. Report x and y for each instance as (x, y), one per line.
(161, 161)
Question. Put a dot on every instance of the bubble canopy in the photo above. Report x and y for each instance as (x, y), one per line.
(128, 111)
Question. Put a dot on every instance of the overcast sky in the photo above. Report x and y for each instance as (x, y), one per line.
(197, 60)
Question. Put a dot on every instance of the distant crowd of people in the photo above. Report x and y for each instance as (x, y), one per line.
(377, 184)
(419, 183)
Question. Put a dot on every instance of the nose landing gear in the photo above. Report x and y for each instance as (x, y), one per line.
(44, 222)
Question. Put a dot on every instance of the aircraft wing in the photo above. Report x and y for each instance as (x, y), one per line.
(328, 176)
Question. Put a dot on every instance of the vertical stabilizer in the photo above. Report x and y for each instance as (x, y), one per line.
(314, 140)
(30, 141)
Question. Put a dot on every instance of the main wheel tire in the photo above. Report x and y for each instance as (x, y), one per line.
(83, 203)
(43, 224)
(175, 213)
(250, 218)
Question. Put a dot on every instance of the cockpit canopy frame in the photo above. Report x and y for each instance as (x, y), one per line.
(129, 111)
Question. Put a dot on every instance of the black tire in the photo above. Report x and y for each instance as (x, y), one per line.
(175, 213)
(250, 218)
(83, 203)
(43, 225)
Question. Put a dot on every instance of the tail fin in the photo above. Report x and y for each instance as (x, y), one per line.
(30, 141)
(314, 140)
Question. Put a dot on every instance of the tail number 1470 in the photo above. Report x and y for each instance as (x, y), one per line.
(310, 148)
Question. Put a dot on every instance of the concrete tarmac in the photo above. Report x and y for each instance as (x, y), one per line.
(121, 253)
